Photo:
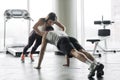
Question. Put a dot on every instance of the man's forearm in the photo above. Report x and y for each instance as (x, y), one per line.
(67, 61)
(42, 51)
(40, 58)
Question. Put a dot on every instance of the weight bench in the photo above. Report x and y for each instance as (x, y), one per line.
(96, 41)
(104, 34)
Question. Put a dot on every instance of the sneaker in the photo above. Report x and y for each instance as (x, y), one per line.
(100, 71)
(22, 58)
(31, 57)
(92, 69)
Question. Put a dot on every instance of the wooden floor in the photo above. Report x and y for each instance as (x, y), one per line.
(11, 68)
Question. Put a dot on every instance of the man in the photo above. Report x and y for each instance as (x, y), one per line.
(61, 40)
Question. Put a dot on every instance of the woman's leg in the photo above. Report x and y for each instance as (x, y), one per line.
(31, 40)
(36, 45)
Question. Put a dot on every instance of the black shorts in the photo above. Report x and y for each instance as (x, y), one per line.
(75, 43)
(65, 45)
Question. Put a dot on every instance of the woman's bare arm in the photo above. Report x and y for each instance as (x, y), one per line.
(60, 25)
(39, 23)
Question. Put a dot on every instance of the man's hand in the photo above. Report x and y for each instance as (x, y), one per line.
(67, 65)
(67, 61)
(37, 67)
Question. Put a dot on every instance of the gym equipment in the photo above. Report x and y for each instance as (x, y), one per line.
(104, 34)
(15, 13)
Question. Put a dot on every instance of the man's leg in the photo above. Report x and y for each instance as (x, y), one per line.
(68, 48)
(94, 66)
(81, 49)
(80, 56)
(89, 56)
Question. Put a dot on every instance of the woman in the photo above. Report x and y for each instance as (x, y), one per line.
(35, 35)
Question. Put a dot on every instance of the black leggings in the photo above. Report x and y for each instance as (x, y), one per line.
(33, 38)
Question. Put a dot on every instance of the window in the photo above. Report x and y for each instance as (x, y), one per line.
(9, 4)
(17, 29)
(88, 12)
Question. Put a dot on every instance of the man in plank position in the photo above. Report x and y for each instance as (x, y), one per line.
(61, 40)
